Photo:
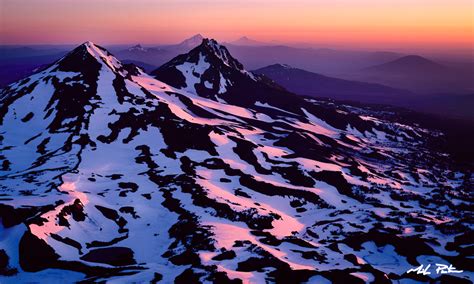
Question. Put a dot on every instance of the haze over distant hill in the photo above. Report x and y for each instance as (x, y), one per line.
(17, 62)
(410, 64)
(245, 41)
(307, 83)
(316, 85)
(418, 74)
(325, 61)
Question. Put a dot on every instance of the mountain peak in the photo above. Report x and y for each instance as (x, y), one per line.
(246, 41)
(276, 67)
(88, 47)
(88, 44)
(90, 56)
(210, 47)
(193, 41)
(408, 64)
(138, 47)
(414, 59)
(197, 36)
(285, 66)
(207, 70)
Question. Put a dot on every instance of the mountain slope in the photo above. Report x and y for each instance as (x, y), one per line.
(315, 85)
(210, 71)
(112, 175)
(145, 66)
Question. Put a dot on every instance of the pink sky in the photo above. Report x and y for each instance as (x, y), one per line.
(368, 23)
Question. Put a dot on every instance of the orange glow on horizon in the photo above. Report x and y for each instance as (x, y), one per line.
(396, 23)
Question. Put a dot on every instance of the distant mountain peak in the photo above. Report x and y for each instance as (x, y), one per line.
(197, 36)
(417, 59)
(244, 40)
(277, 67)
(408, 63)
(193, 41)
(282, 65)
(137, 47)
(414, 57)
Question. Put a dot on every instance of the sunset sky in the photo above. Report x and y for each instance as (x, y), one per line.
(368, 23)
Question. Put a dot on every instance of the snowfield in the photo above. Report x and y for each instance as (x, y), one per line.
(109, 174)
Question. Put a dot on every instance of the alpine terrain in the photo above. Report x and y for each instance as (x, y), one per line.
(204, 172)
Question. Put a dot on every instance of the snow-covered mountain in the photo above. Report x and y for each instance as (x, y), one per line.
(245, 41)
(208, 70)
(191, 42)
(219, 176)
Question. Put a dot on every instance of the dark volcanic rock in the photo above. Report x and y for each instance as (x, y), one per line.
(5, 269)
(116, 256)
(35, 253)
